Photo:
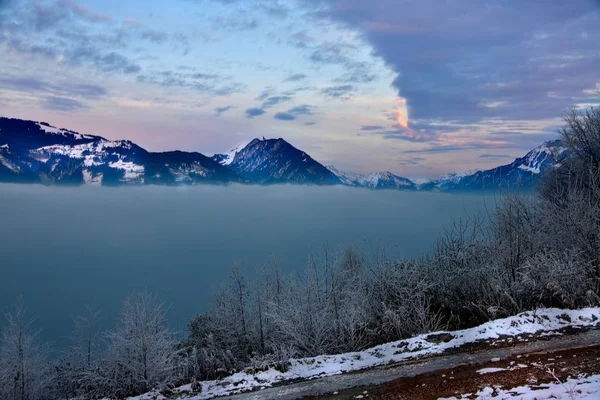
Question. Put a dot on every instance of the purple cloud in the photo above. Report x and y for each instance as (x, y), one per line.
(468, 62)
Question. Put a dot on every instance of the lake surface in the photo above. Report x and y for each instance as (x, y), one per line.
(63, 248)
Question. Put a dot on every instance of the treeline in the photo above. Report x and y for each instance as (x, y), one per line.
(536, 251)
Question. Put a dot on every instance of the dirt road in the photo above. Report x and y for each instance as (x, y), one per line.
(391, 382)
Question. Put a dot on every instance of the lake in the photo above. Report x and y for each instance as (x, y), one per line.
(65, 247)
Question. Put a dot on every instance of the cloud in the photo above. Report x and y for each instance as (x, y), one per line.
(369, 128)
(39, 86)
(469, 63)
(407, 134)
(155, 36)
(205, 76)
(52, 14)
(214, 84)
(275, 100)
(62, 104)
(228, 90)
(295, 78)
(343, 92)
(494, 156)
(332, 53)
(282, 116)
(343, 54)
(85, 12)
(254, 112)
(83, 90)
(235, 23)
(111, 62)
(301, 40)
(410, 161)
(303, 109)
(267, 92)
(294, 112)
(221, 110)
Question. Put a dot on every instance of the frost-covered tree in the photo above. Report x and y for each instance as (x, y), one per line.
(76, 364)
(23, 366)
(581, 137)
(141, 354)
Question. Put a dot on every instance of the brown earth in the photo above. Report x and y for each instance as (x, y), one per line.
(527, 369)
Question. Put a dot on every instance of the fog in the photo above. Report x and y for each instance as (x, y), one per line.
(62, 248)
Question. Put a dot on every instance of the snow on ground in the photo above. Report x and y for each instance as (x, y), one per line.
(582, 388)
(539, 321)
(492, 370)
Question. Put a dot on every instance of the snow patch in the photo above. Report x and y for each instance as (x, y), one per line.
(90, 179)
(132, 171)
(8, 164)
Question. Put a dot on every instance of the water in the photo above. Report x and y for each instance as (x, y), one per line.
(63, 248)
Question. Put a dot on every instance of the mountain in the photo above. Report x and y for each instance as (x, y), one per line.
(522, 173)
(270, 161)
(377, 180)
(36, 152)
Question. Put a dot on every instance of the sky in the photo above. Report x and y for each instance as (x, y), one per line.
(419, 88)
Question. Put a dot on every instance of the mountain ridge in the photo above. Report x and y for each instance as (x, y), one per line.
(37, 152)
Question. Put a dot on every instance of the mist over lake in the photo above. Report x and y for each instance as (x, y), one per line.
(65, 247)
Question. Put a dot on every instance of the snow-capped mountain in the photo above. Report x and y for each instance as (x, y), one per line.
(377, 180)
(523, 173)
(36, 152)
(269, 161)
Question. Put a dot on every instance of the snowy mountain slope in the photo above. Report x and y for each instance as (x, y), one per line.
(271, 161)
(377, 180)
(36, 152)
(227, 158)
(522, 173)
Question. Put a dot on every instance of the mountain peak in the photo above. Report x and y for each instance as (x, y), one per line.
(375, 180)
(277, 161)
